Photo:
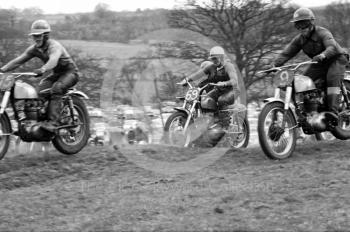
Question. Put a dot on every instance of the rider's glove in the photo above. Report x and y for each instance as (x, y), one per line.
(39, 72)
(319, 57)
(183, 82)
(221, 84)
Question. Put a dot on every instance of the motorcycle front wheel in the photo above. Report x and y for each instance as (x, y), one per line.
(5, 130)
(276, 142)
(70, 141)
(174, 133)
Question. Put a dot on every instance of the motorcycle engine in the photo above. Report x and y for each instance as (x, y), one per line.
(29, 127)
(31, 130)
(35, 110)
(311, 106)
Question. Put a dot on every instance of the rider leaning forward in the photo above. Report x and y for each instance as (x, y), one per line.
(222, 72)
(56, 59)
(317, 43)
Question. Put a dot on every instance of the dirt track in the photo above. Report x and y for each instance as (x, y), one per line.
(99, 189)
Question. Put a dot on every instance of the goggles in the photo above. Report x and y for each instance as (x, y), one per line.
(215, 58)
(301, 25)
(37, 36)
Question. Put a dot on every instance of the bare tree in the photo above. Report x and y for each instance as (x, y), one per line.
(337, 18)
(250, 29)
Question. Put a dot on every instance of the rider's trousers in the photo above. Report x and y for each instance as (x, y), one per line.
(57, 85)
(224, 98)
(331, 72)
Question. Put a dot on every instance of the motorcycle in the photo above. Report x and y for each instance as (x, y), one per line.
(71, 135)
(303, 106)
(194, 117)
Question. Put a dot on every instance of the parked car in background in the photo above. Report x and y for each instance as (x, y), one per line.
(136, 126)
(100, 134)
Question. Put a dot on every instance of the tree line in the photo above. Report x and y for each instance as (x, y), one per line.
(253, 30)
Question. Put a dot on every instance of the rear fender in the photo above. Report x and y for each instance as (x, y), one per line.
(77, 93)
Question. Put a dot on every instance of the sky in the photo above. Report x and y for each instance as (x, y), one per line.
(75, 6)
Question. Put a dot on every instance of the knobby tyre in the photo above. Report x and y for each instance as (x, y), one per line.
(174, 129)
(5, 128)
(71, 141)
(274, 141)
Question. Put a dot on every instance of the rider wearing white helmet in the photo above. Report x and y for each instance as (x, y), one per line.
(64, 72)
(221, 72)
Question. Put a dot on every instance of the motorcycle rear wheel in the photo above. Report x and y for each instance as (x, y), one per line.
(237, 135)
(71, 141)
(274, 141)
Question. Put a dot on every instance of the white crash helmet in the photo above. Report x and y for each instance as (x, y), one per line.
(39, 27)
(216, 51)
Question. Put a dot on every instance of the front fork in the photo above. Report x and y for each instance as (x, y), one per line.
(287, 100)
(193, 107)
(71, 109)
(286, 105)
(4, 102)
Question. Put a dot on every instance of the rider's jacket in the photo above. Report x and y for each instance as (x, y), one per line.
(226, 72)
(320, 41)
(53, 54)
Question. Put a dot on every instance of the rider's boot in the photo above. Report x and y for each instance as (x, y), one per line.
(333, 106)
(217, 130)
(224, 119)
(54, 111)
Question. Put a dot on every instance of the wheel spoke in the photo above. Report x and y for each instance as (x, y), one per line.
(73, 135)
(278, 139)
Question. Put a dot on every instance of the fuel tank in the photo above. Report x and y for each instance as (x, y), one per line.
(303, 83)
(25, 91)
(208, 103)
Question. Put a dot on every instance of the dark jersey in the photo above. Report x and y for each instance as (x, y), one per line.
(226, 72)
(320, 41)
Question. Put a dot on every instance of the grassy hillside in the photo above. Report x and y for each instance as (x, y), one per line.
(173, 34)
(105, 49)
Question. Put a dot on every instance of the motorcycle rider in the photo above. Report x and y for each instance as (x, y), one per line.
(317, 43)
(57, 60)
(221, 72)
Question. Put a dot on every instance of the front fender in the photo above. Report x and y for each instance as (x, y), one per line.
(78, 93)
(180, 109)
(273, 99)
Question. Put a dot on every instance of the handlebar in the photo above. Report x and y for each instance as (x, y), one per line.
(21, 74)
(296, 66)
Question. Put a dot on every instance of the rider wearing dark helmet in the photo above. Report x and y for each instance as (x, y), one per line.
(317, 43)
(64, 72)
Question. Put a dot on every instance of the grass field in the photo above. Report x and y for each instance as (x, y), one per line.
(101, 190)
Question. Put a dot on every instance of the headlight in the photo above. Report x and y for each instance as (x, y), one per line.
(284, 78)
